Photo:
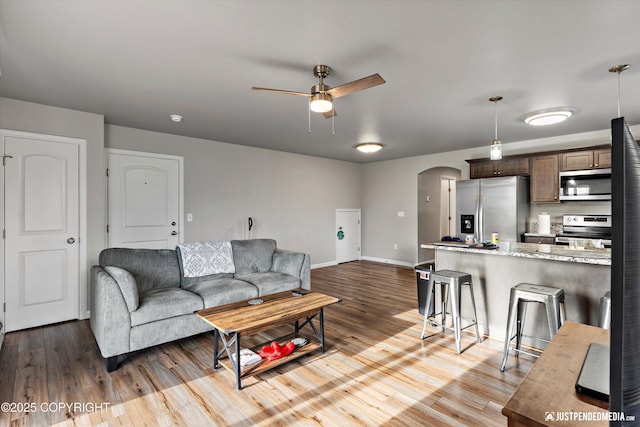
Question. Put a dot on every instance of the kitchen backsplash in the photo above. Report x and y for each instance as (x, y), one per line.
(556, 211)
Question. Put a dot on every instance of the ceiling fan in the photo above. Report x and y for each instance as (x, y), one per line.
(322, 96)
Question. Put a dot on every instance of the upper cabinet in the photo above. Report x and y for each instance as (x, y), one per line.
(544, 186)
(492, 168)
(585, 159)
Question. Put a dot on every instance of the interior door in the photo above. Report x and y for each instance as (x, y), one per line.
(41, 230)
(144, 200)
(347, 235)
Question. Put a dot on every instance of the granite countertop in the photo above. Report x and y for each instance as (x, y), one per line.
(534, 250)
(540, 234)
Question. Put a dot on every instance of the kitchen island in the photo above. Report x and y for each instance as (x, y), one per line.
(585, 275)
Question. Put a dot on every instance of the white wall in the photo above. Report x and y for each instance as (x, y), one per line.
(291, 198)
(391, 186)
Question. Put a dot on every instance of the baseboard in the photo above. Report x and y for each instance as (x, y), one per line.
(387, 261)
(324, 264)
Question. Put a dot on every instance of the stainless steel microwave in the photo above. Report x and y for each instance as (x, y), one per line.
(590, 184)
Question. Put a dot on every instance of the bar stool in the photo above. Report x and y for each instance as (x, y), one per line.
(604, 320)
(452, 282)
(523, 293)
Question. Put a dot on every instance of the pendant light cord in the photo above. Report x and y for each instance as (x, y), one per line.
(495, 103)
(619, 69)
(619, 115)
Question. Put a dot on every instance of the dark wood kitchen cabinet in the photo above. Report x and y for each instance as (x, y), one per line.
(586, 159)
(493, 168)
(544, 185)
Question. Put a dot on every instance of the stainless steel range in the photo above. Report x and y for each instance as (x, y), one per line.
(593, 227)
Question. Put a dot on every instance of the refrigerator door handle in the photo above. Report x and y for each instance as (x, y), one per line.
(479, 222)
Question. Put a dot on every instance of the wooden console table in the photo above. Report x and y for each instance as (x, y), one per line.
(548, 390)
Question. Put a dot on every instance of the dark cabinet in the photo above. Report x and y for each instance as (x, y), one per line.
(540, 240)
(505, 167)
(544, 186)
(587, 159)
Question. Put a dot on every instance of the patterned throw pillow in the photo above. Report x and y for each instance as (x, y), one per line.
(204, 258)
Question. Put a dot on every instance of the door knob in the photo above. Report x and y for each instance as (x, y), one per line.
(173, 233)
(71, 240)
(173, 223)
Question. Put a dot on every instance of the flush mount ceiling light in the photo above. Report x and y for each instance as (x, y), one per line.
(496, 144)
(175, 117)
(547, 117)
(369, 147)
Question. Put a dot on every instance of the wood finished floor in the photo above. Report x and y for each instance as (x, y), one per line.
(376, 371)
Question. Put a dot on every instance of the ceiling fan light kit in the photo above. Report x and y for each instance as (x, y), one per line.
(369, 147)
(175, 118)
(321, 103)
(547, 117)
(321, 96)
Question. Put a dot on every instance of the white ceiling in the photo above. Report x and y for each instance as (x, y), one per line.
(137, 61)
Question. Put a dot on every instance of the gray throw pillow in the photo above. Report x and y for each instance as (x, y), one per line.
(288, 262)
(128, 286)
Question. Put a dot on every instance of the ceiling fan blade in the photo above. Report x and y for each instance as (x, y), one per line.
(330, 114)
(286, 92)
(356, 85)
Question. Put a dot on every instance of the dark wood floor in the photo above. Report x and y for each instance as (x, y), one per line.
(376, 371)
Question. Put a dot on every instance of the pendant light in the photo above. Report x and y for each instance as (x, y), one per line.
(496, 144)
(619, 69)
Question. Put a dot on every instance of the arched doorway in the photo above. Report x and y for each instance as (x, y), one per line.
(436, 207)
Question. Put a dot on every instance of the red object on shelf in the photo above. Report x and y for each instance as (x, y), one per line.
(276, 351)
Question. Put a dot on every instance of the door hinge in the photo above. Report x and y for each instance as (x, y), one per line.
(107, 228)
(107, 172)
(4, 159)
(4, 307)
(358, 221)
(4, 233)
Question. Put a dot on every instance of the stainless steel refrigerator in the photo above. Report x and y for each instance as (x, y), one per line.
(493, 204)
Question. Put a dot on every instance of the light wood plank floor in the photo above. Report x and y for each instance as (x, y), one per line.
(376, 371)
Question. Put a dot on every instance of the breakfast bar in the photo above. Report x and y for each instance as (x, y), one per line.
(584, 275)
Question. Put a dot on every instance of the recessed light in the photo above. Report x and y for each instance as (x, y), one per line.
(369, 147)
(548, 117)
(175, 117)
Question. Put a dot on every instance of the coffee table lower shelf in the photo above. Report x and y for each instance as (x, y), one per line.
(265, 365)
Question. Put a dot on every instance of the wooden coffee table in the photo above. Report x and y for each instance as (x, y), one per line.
(232, 321)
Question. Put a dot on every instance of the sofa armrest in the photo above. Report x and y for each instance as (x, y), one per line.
(296, 264)
(110, 320)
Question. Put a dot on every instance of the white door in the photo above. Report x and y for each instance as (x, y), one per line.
(347, 235)
(42, 230)
(144, 200)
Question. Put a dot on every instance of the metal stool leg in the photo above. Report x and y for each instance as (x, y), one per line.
(455, 308)
(475, 314)
(522, 313)
(430, 289)
(511, 320)
(553, 316)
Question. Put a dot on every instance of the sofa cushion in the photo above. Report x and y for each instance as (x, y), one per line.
(217, 292)
(270, 282)
(152, 268)
(253, 256)
(288, 262)
(127, 284)
(165, 303)
(199, 259)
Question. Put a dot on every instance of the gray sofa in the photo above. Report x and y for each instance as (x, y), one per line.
(141, 297)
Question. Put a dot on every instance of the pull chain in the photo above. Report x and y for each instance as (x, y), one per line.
(309, 115)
